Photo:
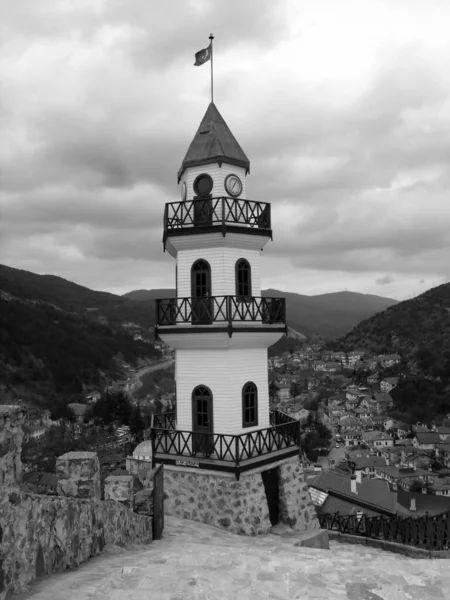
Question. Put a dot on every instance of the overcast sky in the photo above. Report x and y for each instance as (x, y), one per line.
(343, 108)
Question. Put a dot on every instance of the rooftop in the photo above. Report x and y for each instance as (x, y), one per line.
(214, 142)
(372, 491)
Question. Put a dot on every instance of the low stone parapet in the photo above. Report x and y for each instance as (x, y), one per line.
(120, 489)
(11, 435)
(46, 534)
(78, 475)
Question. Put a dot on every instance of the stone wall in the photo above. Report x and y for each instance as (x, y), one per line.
(217, 499)
(295, 504)
(40, 535)
(11, 435)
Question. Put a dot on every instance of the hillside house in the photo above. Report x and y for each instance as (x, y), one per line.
(332, 367)
(383, 401)
(402, 477)
(427, 440)
(366, 424)
(354, 356)
(443, 453)
(363, 412)
(351, 404)
(352, 436)
(440, 486)
(389, 360)
(388, 384)
(373, 379)
(444, 433)
(318, 365)
(377, 439)
(396, 427)
(340, 357)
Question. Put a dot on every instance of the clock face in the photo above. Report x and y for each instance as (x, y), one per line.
(233, 185)
(183, 191)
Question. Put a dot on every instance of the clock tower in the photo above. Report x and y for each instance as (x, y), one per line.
(224, 450)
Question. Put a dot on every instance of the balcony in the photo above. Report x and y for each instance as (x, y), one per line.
(220, 309)
(221, 214)
(221, 452)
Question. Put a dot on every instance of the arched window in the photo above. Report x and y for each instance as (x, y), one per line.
(243, 279)
(249, 405)
(201, 279)
(202, 420)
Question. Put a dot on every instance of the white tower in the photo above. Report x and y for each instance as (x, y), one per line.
(219, 325)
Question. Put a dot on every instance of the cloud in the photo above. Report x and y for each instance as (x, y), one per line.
(386, 280)
(343, 112)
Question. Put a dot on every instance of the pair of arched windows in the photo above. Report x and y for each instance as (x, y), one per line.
(201, 279)
(202, 414)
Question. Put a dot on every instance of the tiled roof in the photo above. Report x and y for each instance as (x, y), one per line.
(425, 503)
(428, 437)
(213, 142)
(371, 491)
(344, 507)
(371, 436)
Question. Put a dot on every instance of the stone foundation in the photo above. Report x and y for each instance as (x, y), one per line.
(217, 499)
(241, 507)
(11, 435)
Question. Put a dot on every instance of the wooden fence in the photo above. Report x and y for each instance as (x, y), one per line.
(430, 533)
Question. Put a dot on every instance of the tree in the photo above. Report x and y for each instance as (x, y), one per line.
(136, 424)
(295, 389)
(123, 408)
(272, 391)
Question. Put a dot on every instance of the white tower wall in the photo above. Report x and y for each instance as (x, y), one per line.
(224, 371)
(222, 261)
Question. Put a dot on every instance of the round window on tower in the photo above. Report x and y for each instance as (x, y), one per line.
(203, 185)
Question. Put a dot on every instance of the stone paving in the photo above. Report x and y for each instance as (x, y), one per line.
(195, 561)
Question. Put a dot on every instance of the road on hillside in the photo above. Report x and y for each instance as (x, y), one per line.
(135, 382)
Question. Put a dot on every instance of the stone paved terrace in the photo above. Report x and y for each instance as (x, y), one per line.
(201, 562)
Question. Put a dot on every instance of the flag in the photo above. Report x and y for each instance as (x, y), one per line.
(203, 56)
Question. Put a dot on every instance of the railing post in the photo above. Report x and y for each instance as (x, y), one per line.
(224, 227)
(230, 323)
(236, 451)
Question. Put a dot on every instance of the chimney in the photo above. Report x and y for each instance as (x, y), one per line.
(412, 505)
(358, 474)
(353, 484)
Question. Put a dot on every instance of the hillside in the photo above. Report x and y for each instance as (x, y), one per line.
(419, 329)
(72, 297)
(325, 315)
(56, 336)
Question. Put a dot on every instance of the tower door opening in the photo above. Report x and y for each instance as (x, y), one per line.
(202, 421)
(271, 486)
(201, 293)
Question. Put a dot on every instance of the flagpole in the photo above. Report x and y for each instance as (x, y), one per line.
(211, 37)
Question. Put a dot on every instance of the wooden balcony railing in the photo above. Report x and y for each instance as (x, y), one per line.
(222, 211)
(432, 533)
(224, 452)
(171, 311)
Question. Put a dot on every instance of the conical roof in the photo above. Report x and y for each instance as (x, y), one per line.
(214, 142)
